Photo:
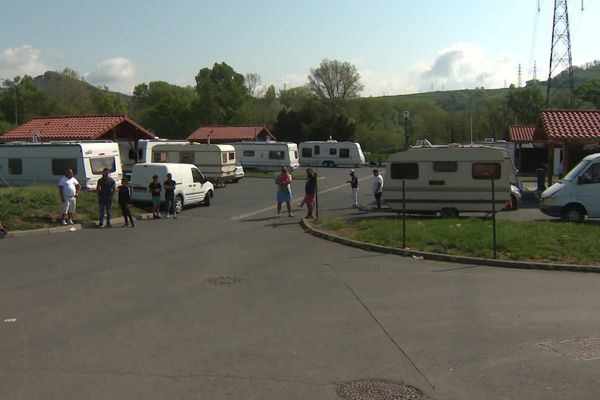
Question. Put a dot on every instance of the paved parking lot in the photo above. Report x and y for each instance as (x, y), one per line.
(227, 302)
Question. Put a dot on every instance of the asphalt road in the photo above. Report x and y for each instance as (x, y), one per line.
(137, 314)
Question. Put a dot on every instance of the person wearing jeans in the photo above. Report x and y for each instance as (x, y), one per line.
(377, 187)
(105, 191)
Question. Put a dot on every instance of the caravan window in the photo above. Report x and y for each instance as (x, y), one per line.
(295, 154)
(317, 150)
(159, 156)
(276, 155)
(404, 170)
(186, 157)
(486, 170)
(98, 164)
(224, 158)
(61, 165)
(306, 152)
(445, 166)
(248, 153)
(344, 153)
(231, 155)
(15, 166)
(332, 151)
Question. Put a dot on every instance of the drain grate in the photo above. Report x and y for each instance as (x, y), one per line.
(370, 389)
(579, 349)
(225, 280)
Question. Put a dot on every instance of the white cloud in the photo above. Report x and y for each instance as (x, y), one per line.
(19, 61)
(292, 80)
(117, 73)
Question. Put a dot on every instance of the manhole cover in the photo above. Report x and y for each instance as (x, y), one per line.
(369, 389)
(225, 280)
(579, 349)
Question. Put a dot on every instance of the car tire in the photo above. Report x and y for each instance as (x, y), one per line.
(207, 198)
(178, 204)
(573, 213)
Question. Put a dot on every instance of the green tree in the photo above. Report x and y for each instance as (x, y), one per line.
(106, 102)
(335, 80)
(525, 104)
(589, 92)
(221, 94)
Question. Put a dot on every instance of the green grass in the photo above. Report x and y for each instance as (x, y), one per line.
(33, 207)
(541, 241)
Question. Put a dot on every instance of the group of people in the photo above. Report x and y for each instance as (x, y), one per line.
(284, 191)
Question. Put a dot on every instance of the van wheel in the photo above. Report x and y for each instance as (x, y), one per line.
(178, 204)
(449, 213)
(325, 164)
(207, 198)
(514, 204)
(573, 213)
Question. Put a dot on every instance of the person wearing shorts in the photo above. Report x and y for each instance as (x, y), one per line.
(284, 191)
(68, 188)
(155, 188)
(310, 190)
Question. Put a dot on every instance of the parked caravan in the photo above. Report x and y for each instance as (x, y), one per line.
(331, 153)
(192, 187)
(45, 163)
(267, 156)
(450, 179)
(216, 161)
(146, 146)
(577, 196)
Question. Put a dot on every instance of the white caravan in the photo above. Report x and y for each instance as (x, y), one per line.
(331, 153)
(577, 195)
(45, 163)
(192, 187)
(449, 179)
(216, 161)
(267, 156)
(146, 146)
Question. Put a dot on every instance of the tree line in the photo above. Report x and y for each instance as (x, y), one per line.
(327, 106)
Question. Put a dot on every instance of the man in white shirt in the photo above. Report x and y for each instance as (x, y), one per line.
(377, 187)
(68, 188)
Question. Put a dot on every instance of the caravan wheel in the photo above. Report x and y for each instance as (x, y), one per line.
(449, 213)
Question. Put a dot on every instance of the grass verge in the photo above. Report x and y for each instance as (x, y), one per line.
(538, 241)
(34, 207)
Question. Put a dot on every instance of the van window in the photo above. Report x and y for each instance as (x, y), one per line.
(317, 150)
(231, 155)
(276, 155)
(404, 170)
(306, 152)
(159, 156)
(344, 153)
(445, 166)
(98, 164)
(60, 165)
(186, 157)
(592, 175)
(248, 153)
(332, 151)
(197, 176)
(486, 171)
(15, 166)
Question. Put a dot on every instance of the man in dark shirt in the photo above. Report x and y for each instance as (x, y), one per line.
(155, 188)
(124, 200)
(105, 190)
(169, 186)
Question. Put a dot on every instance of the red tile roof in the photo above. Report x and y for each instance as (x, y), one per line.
(561, 125)
(521, 133)
(232, 133)
(84, 127)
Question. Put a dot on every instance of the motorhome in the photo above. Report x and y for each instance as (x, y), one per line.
(577, 195)
(216, 161)
(266, 156)
(192, 187)
(45, 163)
(450, 179)
(331, 153)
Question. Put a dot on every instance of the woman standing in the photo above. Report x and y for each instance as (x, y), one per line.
(284, 191)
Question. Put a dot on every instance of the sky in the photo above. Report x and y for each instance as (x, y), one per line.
(398, 46)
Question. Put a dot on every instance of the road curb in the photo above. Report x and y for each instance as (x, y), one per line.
(308, 227)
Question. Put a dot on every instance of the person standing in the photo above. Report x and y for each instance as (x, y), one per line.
(106, 191)
(310, 190)
(354, 185)
(377, 187)
(124, 200)
(68, 188)
(169, 186)
(284, 191)
(155, 188)
(3, 231)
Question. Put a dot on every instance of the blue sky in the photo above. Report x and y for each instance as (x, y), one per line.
(398, 46)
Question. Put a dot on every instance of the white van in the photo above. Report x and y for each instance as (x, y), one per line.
(23, 163)
(331, 153)
(216, 161)
(577, 195)
(449, 179)
(267, 156)
(192, 187)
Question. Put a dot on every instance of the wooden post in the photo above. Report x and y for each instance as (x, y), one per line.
(550, 163)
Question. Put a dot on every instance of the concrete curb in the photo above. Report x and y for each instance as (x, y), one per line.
(308, 227)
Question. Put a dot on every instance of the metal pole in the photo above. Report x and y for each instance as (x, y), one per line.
(316, 195)
(16, 116)
(494, 215)
(403, 214)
